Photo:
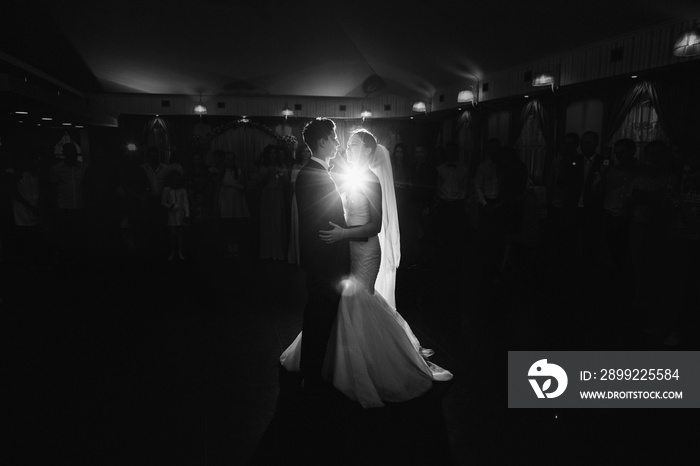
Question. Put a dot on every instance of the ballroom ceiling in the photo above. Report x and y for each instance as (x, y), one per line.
(304, 47)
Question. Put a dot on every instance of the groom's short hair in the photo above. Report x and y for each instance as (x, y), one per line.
(315, 130)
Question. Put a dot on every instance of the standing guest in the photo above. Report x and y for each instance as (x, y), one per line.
(616, 185)
(581, 182)
(401, 172)
(102, 203)
(450, 210)
(273, 177)
(303, 157)
(555, 193)
(513, 182)
(67, 179)
(135, 186)
(176, 202)
(233, 208)
(486, 185)
(156, 215)
(649, 238)
(423, 186)
(201, 187)
(28, 214)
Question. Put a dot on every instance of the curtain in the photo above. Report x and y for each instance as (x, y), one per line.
(675, 101)
(642, 125)
(530, 142)
(247, 143)
(157, 134)
(617, 104)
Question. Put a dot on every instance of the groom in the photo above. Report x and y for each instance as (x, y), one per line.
(325, 264)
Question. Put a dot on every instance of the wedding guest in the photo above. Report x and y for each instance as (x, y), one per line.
(102, 202)
(233, 208)
(135, 192)
(400, 166)
(486, 185)
(513, 178)
(649, 229)
(175, 200)
(156, 215)
(273, 177)
(303, 156)
(28, 213)
(423, 184)
(555, 192)
(616, 185)
(67, 179)
(450, 212)
(581, 183)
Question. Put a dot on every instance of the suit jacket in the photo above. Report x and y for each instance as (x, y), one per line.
(319, 202)
(572, 182)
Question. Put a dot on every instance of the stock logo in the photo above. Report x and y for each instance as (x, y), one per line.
(542, 370)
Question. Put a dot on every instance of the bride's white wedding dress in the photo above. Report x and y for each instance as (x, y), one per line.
(372, 354)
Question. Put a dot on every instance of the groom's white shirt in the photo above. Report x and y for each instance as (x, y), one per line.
(323, 163)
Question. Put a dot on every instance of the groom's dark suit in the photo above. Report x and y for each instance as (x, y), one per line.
(325, 264)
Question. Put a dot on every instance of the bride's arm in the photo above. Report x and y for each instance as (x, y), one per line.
(373, 193)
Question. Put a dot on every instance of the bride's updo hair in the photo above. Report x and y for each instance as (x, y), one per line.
(368, 140)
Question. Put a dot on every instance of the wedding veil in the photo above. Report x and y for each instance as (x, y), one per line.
(389, 236)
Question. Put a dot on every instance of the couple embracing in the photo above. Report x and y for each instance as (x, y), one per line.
(352, 336)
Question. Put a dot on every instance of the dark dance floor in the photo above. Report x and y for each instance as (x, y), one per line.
(125, 360)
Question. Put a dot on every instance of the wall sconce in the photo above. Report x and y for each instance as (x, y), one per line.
(420, 107)
(287, 112)
(466, 96)
(366, 114)
(544, 79)
(688, 44)
(199, 109)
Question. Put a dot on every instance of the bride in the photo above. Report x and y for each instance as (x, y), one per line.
(372, 354)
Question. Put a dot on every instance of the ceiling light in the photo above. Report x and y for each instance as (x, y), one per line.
(287, 112)
(688, 44)
(200, 109)
(22, 113)
(79, 126)
(419, 107)
(634, 76)
(46, 118)
(543, 79)
(66, 124)
(466, 96)
(366, 114)
(131, 147)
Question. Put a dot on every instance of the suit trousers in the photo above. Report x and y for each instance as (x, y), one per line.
(319, 316)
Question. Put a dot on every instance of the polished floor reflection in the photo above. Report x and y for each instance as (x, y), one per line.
(117, 359)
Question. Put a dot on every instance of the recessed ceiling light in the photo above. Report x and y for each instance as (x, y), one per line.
(79, 126)
(66, 124)
(22, 113)
(526, 96)
(634, 76)
(46, 118)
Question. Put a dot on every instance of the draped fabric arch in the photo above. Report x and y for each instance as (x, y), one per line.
(247, 143)
(617, 104)
(531, 125)
(157, 133)
(675, 100)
